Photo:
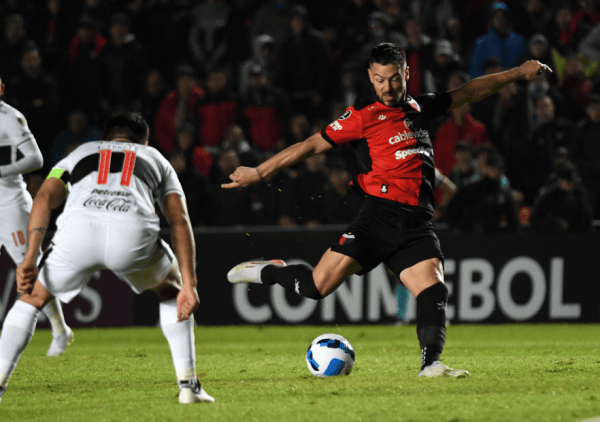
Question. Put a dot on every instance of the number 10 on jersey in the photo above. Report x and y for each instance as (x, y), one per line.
(104, 167)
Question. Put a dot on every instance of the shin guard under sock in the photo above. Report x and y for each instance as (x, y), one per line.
(297, 278)
(431, 322)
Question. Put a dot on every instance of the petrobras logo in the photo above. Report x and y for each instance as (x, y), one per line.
(401, 154)
(336, 126)
(406, 136)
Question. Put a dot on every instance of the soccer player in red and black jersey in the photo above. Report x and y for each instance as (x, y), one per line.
(393, 224)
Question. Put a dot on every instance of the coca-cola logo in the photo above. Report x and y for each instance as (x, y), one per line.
(109, 204)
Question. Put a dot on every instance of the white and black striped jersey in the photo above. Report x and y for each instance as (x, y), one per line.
(118, 181)
(14, 132)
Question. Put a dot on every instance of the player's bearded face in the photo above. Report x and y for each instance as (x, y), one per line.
(389, 82)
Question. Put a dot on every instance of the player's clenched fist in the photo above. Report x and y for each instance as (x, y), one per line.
(532, 69)
(27, 273)
(188, 302)
(242, 177)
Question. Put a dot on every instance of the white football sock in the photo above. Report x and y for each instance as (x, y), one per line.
(180, 336)
(54, 312)
(17, 331)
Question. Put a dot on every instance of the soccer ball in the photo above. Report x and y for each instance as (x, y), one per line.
(330, 355)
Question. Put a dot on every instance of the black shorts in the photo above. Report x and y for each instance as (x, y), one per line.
(396, 237)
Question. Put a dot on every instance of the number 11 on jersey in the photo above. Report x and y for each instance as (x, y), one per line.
(104, 167)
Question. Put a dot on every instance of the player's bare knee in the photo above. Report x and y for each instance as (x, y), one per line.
(35, 300)
(171, 285)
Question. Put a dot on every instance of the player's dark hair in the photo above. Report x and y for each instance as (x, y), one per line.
(387, 53)
(128, 125)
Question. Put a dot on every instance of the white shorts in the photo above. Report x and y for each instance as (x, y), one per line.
(13, 230)
(137, 255)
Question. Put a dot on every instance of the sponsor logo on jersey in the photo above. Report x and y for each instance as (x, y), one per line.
(384, 188)
(346, 238)
(110, 192)
(407, 136)
(401, 154)
(372, 107)
(336, 126)
(382, 117)
(116, 204)
(345, 115)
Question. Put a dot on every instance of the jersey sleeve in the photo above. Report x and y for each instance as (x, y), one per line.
(65, 164)
(346, 128)
(17, 130)
(435, 103)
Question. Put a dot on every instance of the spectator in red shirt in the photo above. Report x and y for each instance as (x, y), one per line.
(584, 19)
(176, 108)
(265, 110)
(217, 110)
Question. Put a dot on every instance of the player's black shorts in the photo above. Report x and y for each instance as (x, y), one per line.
(391, 235)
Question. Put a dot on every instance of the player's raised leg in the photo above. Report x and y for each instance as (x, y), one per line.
(330, 272)
(18, 330)
(180, 336)
(425, 281)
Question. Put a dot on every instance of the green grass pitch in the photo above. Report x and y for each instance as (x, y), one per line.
(518, 373)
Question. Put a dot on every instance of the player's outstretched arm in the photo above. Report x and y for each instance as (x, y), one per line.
(176, 213)
(50, 196)
(484, 86)
(245, 176)
(31, 160)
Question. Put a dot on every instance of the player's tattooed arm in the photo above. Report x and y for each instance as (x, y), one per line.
(37, 234)
(50, 196)
(479, 88)
(245, 176)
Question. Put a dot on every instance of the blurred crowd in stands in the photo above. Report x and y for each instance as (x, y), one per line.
(224, 83)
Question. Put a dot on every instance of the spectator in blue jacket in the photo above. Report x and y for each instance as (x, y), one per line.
(500, 41)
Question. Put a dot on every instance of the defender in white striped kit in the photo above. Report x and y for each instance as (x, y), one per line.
(20, 154)
(109, 222)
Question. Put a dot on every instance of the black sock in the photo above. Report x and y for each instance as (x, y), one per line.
(297, 278)
(431, 322)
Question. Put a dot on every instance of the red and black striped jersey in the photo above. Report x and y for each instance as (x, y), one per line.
(395, 146)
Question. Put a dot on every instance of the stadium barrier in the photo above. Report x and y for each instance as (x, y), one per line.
(492, 278)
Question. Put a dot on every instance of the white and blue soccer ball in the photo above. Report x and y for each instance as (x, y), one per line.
(330, 355)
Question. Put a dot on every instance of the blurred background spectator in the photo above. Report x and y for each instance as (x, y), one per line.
(266, 110)
(304, 64)
(34, 92)
(484, 205)
(78, 131)
(228, 81)
(585, 151)
(563, 206)
(500, 41)
(12, 46)
(176, 108)
(122, 65)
